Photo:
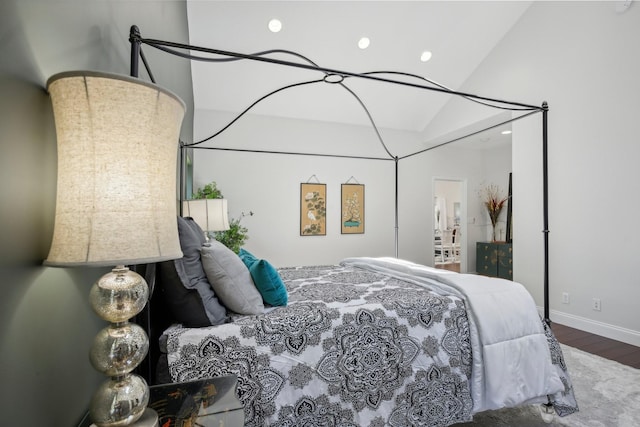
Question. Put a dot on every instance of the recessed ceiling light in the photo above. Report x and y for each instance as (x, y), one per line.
(275, 25)
(363, 43)
(506, 132)
(426, 55)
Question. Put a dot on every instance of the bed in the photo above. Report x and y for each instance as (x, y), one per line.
(367, 342)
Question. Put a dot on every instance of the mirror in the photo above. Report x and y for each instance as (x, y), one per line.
(480, 159)
(449, 247)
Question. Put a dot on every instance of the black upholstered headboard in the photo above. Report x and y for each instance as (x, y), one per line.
(154, 320)
(179, 293)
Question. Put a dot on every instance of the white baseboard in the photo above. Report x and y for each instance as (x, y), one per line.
(613, 332)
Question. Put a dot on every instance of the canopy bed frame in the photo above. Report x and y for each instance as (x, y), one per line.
(400, 269)
(334, 76)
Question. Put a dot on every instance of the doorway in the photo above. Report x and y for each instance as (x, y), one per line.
(449, 228)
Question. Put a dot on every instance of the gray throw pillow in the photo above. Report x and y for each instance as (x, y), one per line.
(230, 279)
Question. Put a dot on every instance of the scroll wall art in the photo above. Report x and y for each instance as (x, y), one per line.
(352, 212)
(313, 209)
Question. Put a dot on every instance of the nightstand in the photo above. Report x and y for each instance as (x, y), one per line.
(494, 259)
(207, 403)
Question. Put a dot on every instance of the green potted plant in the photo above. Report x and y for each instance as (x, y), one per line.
(233, 238)
(209, 191)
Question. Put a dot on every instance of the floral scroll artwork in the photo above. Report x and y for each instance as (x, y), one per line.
(352, 221)
(494, 201)
(313, 209)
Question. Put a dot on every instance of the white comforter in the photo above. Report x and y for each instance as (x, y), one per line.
(511, 357)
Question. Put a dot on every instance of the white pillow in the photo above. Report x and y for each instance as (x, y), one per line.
(230, 279)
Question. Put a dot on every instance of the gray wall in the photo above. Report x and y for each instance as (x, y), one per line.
(46, 324)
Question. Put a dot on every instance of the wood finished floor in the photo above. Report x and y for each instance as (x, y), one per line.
(454, 266)
(621, 352)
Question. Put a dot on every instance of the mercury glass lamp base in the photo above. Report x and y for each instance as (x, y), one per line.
(148, 419)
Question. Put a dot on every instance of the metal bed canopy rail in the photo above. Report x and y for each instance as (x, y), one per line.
(331, 75)
(335, 76)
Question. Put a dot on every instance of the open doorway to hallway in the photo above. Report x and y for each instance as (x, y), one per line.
(449, 230)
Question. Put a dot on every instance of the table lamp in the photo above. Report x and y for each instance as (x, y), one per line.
(209, 214)
(117, 141)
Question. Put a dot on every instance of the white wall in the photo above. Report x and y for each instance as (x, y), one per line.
(269, 186)
(471, 166)
(581, 57)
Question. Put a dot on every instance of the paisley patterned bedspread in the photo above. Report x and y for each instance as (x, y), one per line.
(352, 348)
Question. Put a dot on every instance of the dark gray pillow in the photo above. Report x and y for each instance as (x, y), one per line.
(184, 284)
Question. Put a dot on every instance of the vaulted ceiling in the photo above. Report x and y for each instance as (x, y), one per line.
(459, 34)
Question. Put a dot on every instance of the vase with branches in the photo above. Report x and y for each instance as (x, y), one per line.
(494, 200)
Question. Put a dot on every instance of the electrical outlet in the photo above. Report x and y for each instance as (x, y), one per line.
(596, 304)
(565, 297)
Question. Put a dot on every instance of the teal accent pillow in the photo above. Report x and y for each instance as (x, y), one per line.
(266, 279)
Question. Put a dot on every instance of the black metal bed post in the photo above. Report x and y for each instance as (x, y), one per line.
(545, 197)
(134, 39)
(396, 207)
(182, 172)
(146, 367)
(136, 54)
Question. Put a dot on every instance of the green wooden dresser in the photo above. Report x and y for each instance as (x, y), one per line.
(494, 259)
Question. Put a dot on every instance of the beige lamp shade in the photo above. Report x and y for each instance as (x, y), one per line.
(209, 214)
(117, 156)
